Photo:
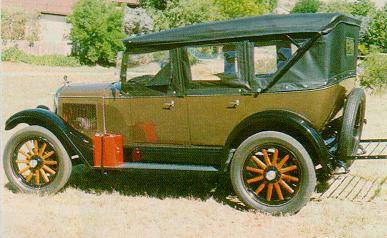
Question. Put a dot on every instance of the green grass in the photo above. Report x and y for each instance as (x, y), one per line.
(14, 54)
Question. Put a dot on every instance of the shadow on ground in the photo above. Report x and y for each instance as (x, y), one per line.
(157, 184)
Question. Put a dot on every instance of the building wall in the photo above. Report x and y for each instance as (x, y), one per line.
(53, 29)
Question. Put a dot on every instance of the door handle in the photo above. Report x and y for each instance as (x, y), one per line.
(233, 104)
(169, 105)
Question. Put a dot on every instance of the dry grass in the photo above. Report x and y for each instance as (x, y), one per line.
(167, 205)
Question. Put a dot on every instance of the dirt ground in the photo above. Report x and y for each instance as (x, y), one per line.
(167, 205)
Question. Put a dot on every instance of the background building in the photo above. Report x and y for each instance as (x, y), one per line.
(52, 28)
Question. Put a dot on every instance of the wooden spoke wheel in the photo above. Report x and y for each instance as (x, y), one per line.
(272, 172)
(35, 161)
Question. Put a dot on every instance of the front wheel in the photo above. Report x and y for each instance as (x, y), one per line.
(272, 172)
(35, 161)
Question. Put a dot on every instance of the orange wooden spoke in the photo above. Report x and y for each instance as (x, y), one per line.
(283, 161)
(29, 177)
(258, 162)
(260, 188)
(37, 177)
(36, 147)
(24, 169)
(44, 175)
(255, 170)
(266, 157)
(29, 148)
(275, 157)
(25, 154)
(42, 149)
(22, 161)
(254, 180)
(48, 155)
(286, 186)
(45, 167)
(50, 162)
(287, 169)
(269, 191)
(279, 192)
(290, 178)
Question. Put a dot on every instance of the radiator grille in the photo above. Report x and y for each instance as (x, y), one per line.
(80, 116)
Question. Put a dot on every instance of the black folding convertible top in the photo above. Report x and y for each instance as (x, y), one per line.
(238, 28)
(326, 42)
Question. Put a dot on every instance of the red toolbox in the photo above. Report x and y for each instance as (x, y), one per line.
(108, 150)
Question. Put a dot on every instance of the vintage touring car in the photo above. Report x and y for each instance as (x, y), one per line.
(270, 101)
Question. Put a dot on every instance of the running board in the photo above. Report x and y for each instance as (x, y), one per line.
(371, 149)
(156, 166)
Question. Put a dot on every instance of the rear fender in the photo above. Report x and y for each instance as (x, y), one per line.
(287, 122)
(74, 142)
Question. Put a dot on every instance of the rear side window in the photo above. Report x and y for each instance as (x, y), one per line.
(270, 58)
(215, 63)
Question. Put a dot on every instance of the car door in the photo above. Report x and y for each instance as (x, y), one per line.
(148, 111)
(214, 93)
(159, 120)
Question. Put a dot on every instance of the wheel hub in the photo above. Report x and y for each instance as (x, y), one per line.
(271, 175)
(35, 161)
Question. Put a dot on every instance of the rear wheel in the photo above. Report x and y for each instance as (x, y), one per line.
(352, 127)
(272, 172)
(35, 161)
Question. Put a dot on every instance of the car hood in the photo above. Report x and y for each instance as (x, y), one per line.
(87, 90)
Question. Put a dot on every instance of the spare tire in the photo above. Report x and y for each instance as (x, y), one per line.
(352, 127)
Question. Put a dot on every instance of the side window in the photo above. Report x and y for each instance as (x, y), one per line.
(215, 64)
(270, 58)
(145, 67)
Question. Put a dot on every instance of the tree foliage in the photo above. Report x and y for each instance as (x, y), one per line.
(184, 12)
(306, 6)
(374, 74)
(241, 8)
(96, 31)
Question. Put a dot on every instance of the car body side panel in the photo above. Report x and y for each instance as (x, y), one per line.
(146, 120)
(211, 121)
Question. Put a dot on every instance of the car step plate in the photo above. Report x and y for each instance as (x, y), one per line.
(349, 187)
(371, 149)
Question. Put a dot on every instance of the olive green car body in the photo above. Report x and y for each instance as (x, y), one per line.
(202, 126)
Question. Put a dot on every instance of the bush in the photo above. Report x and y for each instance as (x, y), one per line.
(376, 34)
(96, 31)
(374, 74)
(362, 7)
(184, 12)
(306, 6)
(342, 6)
(18, 25)
(233, 9)
(14, 54)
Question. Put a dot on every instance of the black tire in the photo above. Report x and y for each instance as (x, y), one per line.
(58, 161)
(302, 191)
(352, 127)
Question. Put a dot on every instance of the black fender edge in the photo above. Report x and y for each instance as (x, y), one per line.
(74, 142)
(282, 121)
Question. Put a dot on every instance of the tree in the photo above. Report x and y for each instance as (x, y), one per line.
(306, 6)
(184, 12)
(96, 31)
(241, 8)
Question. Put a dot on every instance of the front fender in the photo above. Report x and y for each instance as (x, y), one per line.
(74, 142)
(286, 122)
